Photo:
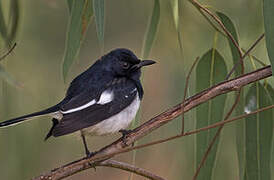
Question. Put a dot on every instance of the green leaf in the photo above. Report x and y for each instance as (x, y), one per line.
(259, 134)
(8, 78)
(152, 30)
(268, 12)
(8, 30)
(69, 2)
(175, 12)
(270, 91)
(175, 7)
(3, 27)
(240, 125)
(211, 69)
(14, 20)
(99, 13)
(234, 51)
(81, 13)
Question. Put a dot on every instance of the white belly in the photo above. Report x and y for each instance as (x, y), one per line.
(117, 122)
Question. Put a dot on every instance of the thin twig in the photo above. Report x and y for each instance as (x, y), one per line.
(210, 22)
(7, 53)
(130, 168)
(197, 4)
(215, 125)
(222, 33)
(202, 10)
(255, 58)
(119, 146)
(186, 87)
(247, 52)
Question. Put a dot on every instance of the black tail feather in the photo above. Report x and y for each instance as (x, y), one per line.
(28, 116)
(54, 123)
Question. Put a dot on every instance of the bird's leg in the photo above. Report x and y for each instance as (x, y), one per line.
(88, 153)
(124, 134)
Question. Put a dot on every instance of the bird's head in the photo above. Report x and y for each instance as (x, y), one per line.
(123, 62)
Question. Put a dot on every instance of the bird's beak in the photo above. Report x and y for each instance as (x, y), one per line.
(141, 64)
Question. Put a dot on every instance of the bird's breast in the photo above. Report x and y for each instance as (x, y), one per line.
(116, 122)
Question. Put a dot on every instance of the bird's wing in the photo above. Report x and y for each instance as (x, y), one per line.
(93, 80)
(111, 101)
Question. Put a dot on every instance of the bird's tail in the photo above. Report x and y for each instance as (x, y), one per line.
(29, 116)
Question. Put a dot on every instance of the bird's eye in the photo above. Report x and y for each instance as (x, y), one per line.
(125, 65)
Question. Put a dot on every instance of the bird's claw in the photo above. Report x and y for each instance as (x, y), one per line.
(124, 135)
(90, 154)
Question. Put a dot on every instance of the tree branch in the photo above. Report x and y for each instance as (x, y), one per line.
(220, 123)
(130, 168)
(119, 146)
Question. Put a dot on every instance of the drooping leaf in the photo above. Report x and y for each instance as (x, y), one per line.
(234, 51)
(99, 14)
(268, 13)
(13, 20)
(80, 17)
(69, 2)
(175, 7)
(3, 27)
(8, 78)
(270, 91)
(259, 134)
(175, 12)
(8, 29)
(211, 69)
(240, 125)
(152, 29)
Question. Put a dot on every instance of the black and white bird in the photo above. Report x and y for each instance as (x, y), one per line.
(102, 100)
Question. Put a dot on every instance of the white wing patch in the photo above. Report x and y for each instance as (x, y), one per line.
(117, 122)
(106, 97)
(80, 108)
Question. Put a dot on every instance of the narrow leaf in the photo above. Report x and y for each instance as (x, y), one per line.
(69, 2)
(99, 13)
(81, 13)
(3, 27)
(152, 29)
(210, 70)
(240, 125)
(268, 13)
(13, 20)
(270, 156)
(231, 28)
(9, 29)
(175, 12)
(175, 7)
(259, 134)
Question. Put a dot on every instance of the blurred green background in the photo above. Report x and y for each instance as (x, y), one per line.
(36, 65)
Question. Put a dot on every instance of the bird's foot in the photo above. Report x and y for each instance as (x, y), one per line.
(124, 135)
(90, 154)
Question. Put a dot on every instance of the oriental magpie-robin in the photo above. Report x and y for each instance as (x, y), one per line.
(102, 100)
